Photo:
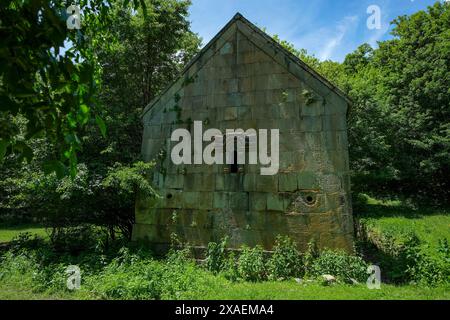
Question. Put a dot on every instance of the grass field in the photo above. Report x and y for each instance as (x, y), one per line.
(394, 217)
(294, 291)
(8, 231)
(429, 229)
(225, 290)
(17, 292)
(395, 220)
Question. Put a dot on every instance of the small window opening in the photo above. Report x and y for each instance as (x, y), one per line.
(234, 168)
(169, 196)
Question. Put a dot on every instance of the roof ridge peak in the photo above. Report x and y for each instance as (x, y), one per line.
(238, 15)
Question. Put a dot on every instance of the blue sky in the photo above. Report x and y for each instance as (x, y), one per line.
(329, 29)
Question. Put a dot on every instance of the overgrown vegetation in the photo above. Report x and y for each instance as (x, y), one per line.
(409, 244)
(121, 270)
(286, 262)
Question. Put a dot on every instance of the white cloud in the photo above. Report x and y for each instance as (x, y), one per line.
(377, 35)
(334, 39)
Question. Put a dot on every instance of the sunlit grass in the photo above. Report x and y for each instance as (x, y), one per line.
(314, 291)
(8, 232)
(225, 290)
(394, 217)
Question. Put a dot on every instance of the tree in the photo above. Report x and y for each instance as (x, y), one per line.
(52, 88)
(416, 81)
(137, 57)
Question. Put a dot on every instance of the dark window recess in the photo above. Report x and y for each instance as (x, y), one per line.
(234, 168)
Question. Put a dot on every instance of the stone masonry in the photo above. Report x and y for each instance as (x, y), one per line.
(244, 79)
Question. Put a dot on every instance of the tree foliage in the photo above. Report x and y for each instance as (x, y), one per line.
(48, 75)
(139, 55)
(403, 105)
(135, 59)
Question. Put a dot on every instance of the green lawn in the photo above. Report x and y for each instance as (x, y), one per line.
(294, 291)
(8, 232)
(393, 218)
(429, 229)
(225, 290)
(15, 292)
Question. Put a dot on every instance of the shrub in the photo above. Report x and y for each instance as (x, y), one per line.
(18, 268)
(116, 196)
(26, 240)
(216, 256)
(429, 269)
(230, 268)
(74, 240)
(285, 261)
(251, 266)
(311, 254)
(128, 278)
(105, 198)
(51, 278)
(403, 257)
(131, 276)
(126, 273)
(339, 264)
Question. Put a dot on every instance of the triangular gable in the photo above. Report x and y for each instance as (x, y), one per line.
(265, 43)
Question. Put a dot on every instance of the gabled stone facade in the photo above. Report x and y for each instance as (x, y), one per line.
(244, 79)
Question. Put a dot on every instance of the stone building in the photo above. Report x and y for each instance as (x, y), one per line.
(244, 79)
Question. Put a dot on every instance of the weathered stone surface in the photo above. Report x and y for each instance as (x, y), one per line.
(250, 182)
(267, 184)
(287, 182)
(275, 202)
(244, 80)
(307, 180)
(175, 181)
(258, 201)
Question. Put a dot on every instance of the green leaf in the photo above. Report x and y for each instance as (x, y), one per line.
(3, 146)
(101, 124)
(6, 104)
(55, 166)
(24, 150)
(84, 109)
